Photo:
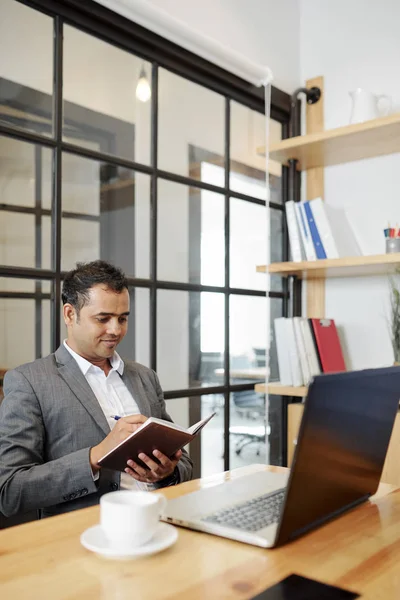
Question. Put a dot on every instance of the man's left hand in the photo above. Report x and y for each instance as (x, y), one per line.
(158, 471)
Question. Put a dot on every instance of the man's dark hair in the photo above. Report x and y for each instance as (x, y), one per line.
(79, 281)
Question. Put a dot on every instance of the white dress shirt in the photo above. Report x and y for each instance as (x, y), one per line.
(114, 399)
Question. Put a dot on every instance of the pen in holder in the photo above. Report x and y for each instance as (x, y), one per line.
(392, 238)
(392, 245)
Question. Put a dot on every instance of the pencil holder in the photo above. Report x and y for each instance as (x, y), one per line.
(392, 245)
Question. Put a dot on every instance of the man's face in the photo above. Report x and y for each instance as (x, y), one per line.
(101, 324)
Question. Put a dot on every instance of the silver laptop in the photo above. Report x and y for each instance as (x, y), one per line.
(338, 462)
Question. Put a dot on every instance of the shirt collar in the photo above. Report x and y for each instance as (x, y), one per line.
(116, 361)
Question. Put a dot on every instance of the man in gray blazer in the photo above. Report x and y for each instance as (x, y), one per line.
(58, 414)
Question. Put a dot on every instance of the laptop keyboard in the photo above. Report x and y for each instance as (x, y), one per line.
(251, 515)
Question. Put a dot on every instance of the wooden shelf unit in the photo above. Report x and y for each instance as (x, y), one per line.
(377, 137)
(353, 266)
(275, 388)
(314, 151)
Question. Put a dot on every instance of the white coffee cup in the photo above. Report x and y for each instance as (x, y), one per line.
(130, 519)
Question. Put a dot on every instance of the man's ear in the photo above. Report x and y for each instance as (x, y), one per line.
(69, 313)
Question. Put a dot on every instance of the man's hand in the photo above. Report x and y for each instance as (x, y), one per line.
(157, 471)
(124, 427)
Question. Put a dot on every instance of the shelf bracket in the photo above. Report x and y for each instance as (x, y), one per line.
(312, 94)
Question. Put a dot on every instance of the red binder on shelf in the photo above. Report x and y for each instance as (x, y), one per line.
(328, 345)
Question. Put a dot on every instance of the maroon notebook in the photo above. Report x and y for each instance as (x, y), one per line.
(154, 434)
(328, 345)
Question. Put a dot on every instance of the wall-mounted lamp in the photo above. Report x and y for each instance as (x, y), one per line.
(312, 94)
(143, 89)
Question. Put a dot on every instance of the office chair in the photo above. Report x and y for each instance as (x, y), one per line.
(246, 436)
(250, 405)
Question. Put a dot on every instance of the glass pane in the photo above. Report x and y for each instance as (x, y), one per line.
(12, 284)
(26, 68)
(190, 235)
(212, 436)
(248, 244)
(178, 410)
(106, 214)
(190, 339)
(247, 165)
(276, 246)
(190, 126)
(100, 103)
(275, 189)
(212, 332)
(248, 334)
(206, 451)
(25, 184)
(276, 308)
(136, 343)
(248, 429)
(24, 322)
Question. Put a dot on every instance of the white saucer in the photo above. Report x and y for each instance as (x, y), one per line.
(94, 539)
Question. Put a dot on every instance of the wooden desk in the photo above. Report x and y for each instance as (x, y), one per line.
(359, 551)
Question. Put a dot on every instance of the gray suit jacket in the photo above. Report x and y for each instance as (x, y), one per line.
(49, 420)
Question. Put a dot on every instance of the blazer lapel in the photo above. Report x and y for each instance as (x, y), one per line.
(74, 378)
(135, 386)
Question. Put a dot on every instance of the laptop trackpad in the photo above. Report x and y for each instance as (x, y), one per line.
(213, 498)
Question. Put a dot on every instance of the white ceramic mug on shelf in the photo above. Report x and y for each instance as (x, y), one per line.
(366, 105)
(130, 519)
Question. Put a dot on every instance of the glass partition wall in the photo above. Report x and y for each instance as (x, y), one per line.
(171, 189)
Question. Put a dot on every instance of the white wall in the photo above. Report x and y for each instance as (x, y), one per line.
(265, 31)
(356, 44)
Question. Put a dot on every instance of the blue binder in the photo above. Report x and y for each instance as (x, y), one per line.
(318, 245)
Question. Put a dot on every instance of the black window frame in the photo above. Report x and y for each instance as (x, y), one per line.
(102, 23)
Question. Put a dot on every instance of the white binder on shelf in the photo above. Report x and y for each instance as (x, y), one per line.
(324, 228)
(301, 349)
(336, 232)
(305, 233)
(296, 249)
(297, 376)
(311, 352)
(282, 350)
